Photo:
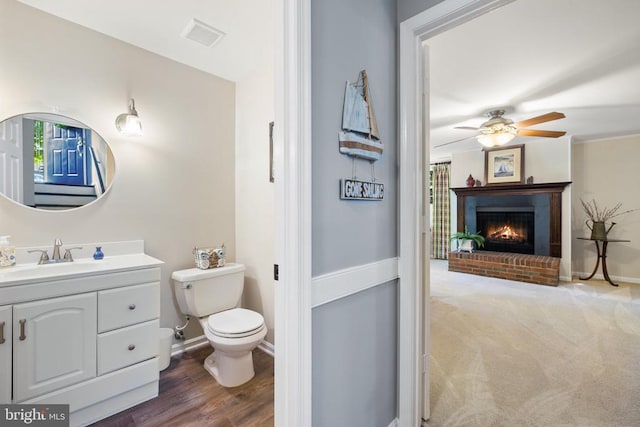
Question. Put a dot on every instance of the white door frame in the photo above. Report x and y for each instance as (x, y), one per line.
(292, 164)
(414, 155)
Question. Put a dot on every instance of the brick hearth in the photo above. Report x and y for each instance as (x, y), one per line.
(542, 270)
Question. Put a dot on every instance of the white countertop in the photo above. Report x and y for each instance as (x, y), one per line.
(125, 256)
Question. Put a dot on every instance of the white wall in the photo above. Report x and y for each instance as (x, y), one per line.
(545, 160)
(465, 163)
(174, 187)
(254, 193)
(606, 171)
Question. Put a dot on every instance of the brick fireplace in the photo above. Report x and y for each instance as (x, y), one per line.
(522, 225)
(541, 270)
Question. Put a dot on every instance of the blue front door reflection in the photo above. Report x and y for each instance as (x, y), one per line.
(66, 148)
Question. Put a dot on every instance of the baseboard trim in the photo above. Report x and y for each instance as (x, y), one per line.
(342, 283)
(187, 345)
(564, 278)
(600, 276)
(268, 348)
(201, 341)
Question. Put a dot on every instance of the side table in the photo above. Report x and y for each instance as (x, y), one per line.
(602, 255)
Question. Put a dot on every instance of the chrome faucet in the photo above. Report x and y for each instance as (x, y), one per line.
(68, 257)
(56, 251)
(44, 256)
(55, 258)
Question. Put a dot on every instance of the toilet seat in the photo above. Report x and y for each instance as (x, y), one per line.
(235, 323)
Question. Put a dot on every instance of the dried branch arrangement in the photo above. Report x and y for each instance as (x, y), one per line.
(596, 213)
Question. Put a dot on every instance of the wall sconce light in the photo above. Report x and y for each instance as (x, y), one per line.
(128, 124)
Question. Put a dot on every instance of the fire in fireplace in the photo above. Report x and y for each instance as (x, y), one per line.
(506, 233)
(507, 229)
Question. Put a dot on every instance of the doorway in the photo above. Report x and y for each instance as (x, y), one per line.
(414, 142)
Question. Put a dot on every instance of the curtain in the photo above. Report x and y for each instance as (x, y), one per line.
(440, 230)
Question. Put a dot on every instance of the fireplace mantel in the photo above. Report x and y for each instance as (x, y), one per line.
(554, 189)
(516, 189)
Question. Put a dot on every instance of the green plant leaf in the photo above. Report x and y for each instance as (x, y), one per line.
(478, 239)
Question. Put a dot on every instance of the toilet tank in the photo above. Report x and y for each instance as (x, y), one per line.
(203, 292)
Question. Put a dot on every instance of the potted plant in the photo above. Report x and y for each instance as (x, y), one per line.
(467, 240)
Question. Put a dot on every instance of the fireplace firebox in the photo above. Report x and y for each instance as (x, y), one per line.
(507, 229)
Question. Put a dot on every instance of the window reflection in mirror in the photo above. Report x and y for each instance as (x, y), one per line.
(53, 162)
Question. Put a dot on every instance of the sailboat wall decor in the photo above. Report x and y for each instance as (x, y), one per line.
(359, 136)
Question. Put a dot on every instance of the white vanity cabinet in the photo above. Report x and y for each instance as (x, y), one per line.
(5, 354)
(87, 338)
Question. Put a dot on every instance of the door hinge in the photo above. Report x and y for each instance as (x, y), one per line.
(276, 274)
(425, 363)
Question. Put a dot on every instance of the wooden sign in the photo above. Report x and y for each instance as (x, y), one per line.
(351, 189)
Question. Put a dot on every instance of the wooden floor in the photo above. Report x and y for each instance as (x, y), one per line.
(189, 396)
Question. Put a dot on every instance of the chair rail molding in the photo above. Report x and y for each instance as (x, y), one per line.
(342, 283)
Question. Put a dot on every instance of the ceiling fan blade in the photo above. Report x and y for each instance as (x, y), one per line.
(540, 119)
(466, 128)
(453, 142)
(542, 133)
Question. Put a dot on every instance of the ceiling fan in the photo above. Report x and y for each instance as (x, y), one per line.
(499, 130)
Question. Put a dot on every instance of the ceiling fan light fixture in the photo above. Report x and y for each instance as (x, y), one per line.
(499, 130)
(497, 136)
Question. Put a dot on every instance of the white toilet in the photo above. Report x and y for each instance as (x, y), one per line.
(212, 296)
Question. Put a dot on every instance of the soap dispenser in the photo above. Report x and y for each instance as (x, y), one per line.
(7, 252)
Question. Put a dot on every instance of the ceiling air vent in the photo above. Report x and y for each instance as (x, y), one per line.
(202, 33)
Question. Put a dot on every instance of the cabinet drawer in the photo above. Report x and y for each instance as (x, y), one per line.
(127, 306)
(126, 346)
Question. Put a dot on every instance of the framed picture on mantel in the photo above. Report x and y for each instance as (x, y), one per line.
(504, 165)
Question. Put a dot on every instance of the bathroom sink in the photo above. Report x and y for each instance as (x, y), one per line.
(34, 271)
(31, 272)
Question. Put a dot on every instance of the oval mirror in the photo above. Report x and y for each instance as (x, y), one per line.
(53, 162)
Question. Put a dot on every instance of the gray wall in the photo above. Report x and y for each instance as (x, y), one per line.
(354, 339)
(409, 8)
(354, 349)
(346, 37)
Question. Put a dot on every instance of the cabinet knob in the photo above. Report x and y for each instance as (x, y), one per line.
(132, 306)
(131, 347)
(2, 340)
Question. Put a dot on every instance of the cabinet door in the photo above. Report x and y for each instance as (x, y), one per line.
(54, 344)
(5, 354)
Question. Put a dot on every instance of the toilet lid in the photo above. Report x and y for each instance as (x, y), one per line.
(235, 322)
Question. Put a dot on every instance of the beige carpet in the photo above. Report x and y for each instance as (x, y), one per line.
(508, 353)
